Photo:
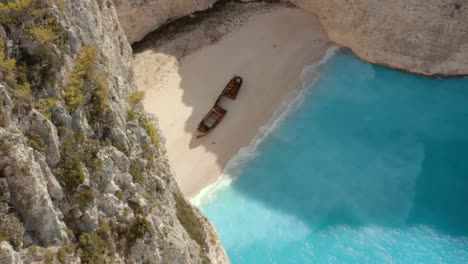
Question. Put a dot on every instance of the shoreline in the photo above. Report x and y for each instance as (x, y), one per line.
(269, 48)
(288, 105)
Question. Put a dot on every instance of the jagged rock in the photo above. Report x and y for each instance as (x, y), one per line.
(113, 162)
(89, 220)
(53, 186)
(80, 123)
(48, 133)
(138, 253)
(8, 255)
(109, 205)
(76, 213)
(7, 102)
(29, 194)
(119, 137)
(61, 116)
(138, 133)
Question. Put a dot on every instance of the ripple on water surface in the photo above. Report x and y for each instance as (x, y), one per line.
(372, 167)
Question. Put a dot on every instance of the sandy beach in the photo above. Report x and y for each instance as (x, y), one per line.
(267, 47)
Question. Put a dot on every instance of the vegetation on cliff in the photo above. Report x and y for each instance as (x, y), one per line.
(81, 166)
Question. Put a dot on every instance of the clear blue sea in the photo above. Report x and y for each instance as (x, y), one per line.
(370, 167)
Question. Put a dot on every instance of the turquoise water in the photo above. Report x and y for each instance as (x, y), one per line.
(372, 167)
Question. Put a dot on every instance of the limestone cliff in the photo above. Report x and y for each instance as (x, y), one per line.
(423, 36)
(139, 17)
(83, 172)
(428, 37)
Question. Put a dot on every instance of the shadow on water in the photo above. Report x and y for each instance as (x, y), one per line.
(364, 152)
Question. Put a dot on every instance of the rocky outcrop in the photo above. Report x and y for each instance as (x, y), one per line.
(83, 176)
(140, 17)
(428, 37)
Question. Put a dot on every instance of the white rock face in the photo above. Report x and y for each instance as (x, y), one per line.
(29, 194)
(428, 37)
(139, 17)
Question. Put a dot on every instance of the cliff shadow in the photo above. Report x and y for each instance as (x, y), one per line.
(260, 54)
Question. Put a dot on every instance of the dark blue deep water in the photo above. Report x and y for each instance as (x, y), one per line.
(372, 167)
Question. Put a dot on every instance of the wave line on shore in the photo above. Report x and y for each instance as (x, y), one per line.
(289, 104)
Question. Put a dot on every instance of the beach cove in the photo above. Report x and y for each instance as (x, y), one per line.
(323, 158)
(268, 45)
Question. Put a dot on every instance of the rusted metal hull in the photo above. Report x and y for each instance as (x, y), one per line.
(217, 113)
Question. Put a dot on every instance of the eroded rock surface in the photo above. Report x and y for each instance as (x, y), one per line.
(83, 177)
(422, 36)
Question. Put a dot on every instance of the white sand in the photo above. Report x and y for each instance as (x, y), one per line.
(269, 51)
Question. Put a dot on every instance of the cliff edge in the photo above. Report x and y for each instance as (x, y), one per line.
(83, 172)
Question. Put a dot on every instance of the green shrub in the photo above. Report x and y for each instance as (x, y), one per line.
(32, 20)
(86, 196)
(188, 219)
(11, 230)
(136, 172)
(5, 147)
(131, 116)
(97, 247)
(119, 195)
(94, 249)
(12, 76)
(14, 12)
(135, 98)
(33, 249)
(4, 119)
(42, 35)
(62, 254)
(70, 174)
(100, 95)
(151, 130)
(44, 106)
(86, 78)
(36, 142)
(23, 94)
(7, 67)
(138, 229)
(69, 171)
(84, 65)
(120, 147)
(104, 228)
(35, 18)
(60, 5)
